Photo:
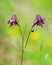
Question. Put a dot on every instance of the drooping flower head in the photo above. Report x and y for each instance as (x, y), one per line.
(13, 20)
(39, 21)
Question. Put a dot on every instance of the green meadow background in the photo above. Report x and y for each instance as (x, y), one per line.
(39, 48)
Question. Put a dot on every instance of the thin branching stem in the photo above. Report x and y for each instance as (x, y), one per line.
(22, 45)
(25, 45)
(23, 42)
(28, 37)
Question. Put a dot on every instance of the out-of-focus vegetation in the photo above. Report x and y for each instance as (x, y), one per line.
(10, 38)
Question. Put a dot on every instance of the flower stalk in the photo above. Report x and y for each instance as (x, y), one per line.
(39, 22)
(22, 45)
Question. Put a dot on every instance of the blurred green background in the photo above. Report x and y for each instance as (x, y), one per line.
(39, 48)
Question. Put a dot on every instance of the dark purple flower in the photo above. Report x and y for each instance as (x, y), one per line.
(39, 21)
(13, 21)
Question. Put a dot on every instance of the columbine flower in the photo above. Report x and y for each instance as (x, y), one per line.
(13, 21)
(39, 21)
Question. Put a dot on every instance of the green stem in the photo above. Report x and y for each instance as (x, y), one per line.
(25, 46)
(40, 52)
(22, 45)
(28, 37)
(26, 42)
(22, 51)
(23, 42)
